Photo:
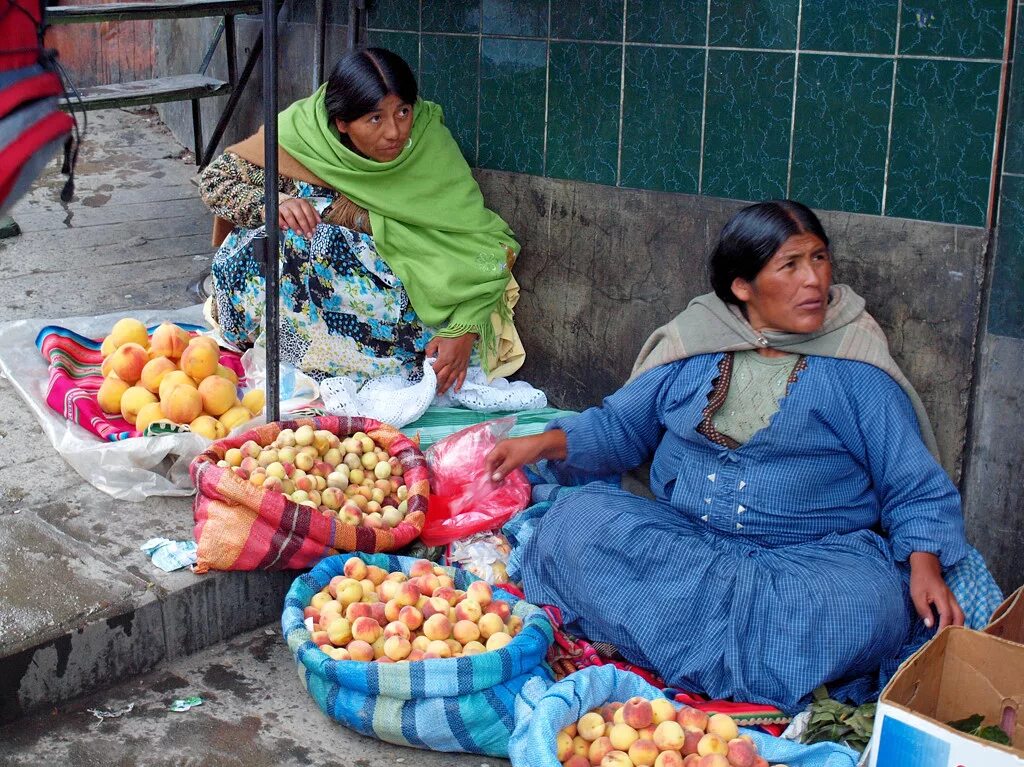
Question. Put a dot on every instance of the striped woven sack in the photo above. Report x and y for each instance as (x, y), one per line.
(443, 704)
(239, 526)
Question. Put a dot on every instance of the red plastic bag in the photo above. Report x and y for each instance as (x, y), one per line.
(463, 497)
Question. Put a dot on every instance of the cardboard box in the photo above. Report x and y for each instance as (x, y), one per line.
(957, 674)
(1008, 619)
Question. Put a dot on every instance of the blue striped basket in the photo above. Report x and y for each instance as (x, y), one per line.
(444, 704)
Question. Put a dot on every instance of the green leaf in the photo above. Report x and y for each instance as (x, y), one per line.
(969, 724)
(993, 733)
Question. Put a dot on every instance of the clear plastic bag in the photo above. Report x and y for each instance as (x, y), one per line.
(485, 555)
(463, 497)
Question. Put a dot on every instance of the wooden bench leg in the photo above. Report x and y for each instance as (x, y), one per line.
(197, 129)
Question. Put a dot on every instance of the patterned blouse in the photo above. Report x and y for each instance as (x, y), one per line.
(233, 189)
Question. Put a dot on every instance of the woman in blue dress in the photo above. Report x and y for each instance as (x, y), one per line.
(799, 514)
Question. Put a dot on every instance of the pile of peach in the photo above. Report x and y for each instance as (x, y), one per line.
(171, 377)
(642, 732)
(352, 479)
(369, 614)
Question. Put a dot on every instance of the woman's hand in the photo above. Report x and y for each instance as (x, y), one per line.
(452, 359)
(928, 589)
(297, 214)
(510, 454)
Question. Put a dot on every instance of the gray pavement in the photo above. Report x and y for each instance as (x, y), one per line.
(81, 607)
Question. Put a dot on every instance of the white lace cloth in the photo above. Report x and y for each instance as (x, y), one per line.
(398, 401)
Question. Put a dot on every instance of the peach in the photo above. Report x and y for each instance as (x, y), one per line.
(448, 594)
(437, 627)
(428, 584)
(577, 760)
(514, 625)
(184, 405)
(608, 710)
(397, 628)
(581, 747)
(128, 362)
(466, 631)
(662, 710)
(376, 574)
(712, 744)
(497, 640)
(319, 599)
(420, 643)
(110, 393)
(437, 648)
(616, 759)
(570, 729)
(350, 592)
(643, 752)
(320, 638)
(468, 610)
(254, 400)
(480, 591)
(637, 713)
(153, 372)
(209, 427)
(411, 617)
(148, 414)
(133, 400)
(600, 748)
(128, 331)
(218, 394)
(360, 650)
(762, 762)
(590, 726)
(366, 629)
(691, 741)
(669, 759)
(408, 594)
(392, 609)
(415, 655)
(455, 646)
(235, 417)
(397, 647)
(712, 760)
(563, 746)
(208, 341)
(622, 736)
(378, 613)
(337, 653)
(358, 610)
(742, 753)
(106, 368)
(502, 609)
(690, 718)
(692, 760)
(340, 631)
(200, 360)
(228, 373)
(617, 715)
(311, 612)
(170, 380)
(473, 648)
(108, 347)
(490, 624)
(723, 726)
(168, 341)
(669, 735)
(436, 606)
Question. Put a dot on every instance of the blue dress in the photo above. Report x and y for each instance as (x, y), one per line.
(757, 573)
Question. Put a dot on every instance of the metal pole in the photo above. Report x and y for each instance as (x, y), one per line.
(271, 248)
(319, 42)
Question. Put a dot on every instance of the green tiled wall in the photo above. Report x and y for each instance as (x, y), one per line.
(886, 107)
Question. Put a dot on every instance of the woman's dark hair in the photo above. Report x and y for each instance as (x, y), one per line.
(753, 236)
(362, 77)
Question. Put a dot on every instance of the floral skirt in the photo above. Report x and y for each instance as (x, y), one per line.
(343, 312)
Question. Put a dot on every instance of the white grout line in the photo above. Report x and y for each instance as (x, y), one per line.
(792, 114)
(547, 89)
(622, 97)
(892, 109)
(704, 98)
(1013, 175)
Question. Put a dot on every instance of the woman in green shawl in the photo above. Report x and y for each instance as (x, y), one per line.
(388, 253)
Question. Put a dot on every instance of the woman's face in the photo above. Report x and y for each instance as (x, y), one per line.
(381, 134)
(790, 293)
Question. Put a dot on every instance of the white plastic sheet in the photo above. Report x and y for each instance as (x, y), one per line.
(130, 470)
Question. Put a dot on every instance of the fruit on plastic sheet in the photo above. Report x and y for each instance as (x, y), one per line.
(254, 400)
(637, 713)
(742, 753)
(148, 414)
(209, 427)
(712, 744)
(168, 340)
(723, 726)
(110, 393)
(184, 404)
(235, 417)
(199, 360)
(133, 400)
(219, 395)
(643, 752)
(128, 331)
(153, 372)
(669, 735)
(128, 362)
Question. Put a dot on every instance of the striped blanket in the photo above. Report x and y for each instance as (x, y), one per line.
(74, 361)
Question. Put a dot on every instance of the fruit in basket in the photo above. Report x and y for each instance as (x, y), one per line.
(154, 371)
(637, 713)
(110, 393)
(712, 744)
(133, 400)
(643, 752)
(690, 718)
(668, 735)
(741, 753)
(127, 331)
(128, 362)
(169, 341)
(662, 710)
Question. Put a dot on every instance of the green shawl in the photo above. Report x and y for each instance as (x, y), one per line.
(708, 325)
(430, 224)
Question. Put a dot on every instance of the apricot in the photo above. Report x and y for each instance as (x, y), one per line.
(184, 404)
(199, 361)
(107, 367)
(219, 395)
(340, 631)
(133, 400)
(153, 373)
(581, 747)
(168, 341)
(148, 414)
(366, 629)
(411, 617)
(438, 648)
(128, 331)
(397, 628)
(637, 713)
(225, 372)
(108, 347)
(468, 610)
(209, 427)
(110, 393)
(235, 417)
(437, 627)
(473, 648)
(170, 380)
(480, 592)
(643, 752)
(254, 400)
(723, 726)
(128, 362)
